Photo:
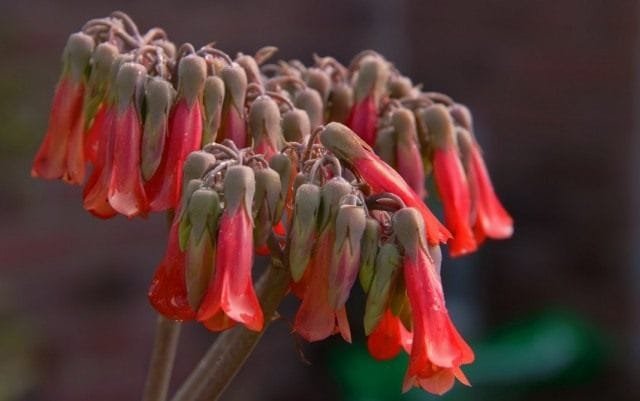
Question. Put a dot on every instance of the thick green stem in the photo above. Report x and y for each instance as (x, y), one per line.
(162, 357)
(232, 347)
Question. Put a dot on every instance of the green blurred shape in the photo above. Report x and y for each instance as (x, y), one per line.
(546, 349)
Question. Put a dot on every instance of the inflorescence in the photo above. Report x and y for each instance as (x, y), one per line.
(324, 165)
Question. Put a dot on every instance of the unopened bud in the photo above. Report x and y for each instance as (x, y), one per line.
(203, 211)
(440, 126)
(213, 99)
(387, 267)
(196, 164)
(264, 126)
(184, 230)
(400, 87)
(343, 142)
(192, 72)
(282, 165)
(235, 83)
(129, 83)
(371, 79)
(268, 192)
(385, 146)
(77, 53)
(159, 96)
(345, 261)
(320, 81)
(332, 192)
(301, 237)
(310, 101)
(102, 59)
(408, 226)
(369, 247)
(296, 126)
(340, 102)
(239, 188)
(462, 116)
(250, 67)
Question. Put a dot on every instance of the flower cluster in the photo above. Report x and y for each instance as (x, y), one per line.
(323, 166)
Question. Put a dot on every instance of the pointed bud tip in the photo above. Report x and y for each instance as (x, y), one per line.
(343, 142)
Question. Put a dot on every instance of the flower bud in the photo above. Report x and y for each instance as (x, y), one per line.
(340, 102)
(345, 261)
(303, 231)
(213, 100)
(197, 164)
(103, 57)
(409, 229)
(462, 116)
(239, 188)
(331, 194)
(440, 126)
(371, 79)
(184, 230)
(267, 201)
(159, 96)
(310, 101)
(385, 146)
(400, 87)
(282, 165)
(409, 160)
(264, 126)
(296, 126)
(192, 72)
(387, 267)
(203, 211)
(319, 80)
(77, 53)
(250, 67)
(129, 82)
(235, 83)
(369, 248)
(232, 124)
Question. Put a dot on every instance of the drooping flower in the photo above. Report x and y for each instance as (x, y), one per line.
(264, 127)
(231, 290)
(491, 218)
(437, 350)
(370, 84)
(342, 142)
(451, 180)
(389, 338)
(61, 154)
(185, 135)
(408, 157)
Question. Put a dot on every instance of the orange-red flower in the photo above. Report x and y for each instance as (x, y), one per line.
(61, 154)
(388, 338)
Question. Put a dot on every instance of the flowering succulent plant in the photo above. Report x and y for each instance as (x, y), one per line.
(321, 167)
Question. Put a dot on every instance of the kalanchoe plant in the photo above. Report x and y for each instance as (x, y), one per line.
(249, 157)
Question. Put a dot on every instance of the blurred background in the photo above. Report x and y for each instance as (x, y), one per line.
(553, 313)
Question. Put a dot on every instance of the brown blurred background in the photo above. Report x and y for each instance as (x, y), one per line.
(554, 313)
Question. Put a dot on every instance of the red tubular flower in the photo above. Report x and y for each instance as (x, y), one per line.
(370, 83)
(451, 180)
(185, 135)
(61, 154)
(126, 193)
(316, 319)
(95, 194)
(168, 291)
(437, 350)
(491, 218)
(388, 338)
(231, 290)
(342, 142)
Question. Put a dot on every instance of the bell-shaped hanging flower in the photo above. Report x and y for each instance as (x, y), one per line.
(268, 202)
(231, 290)
(303, 229)
(348, 147)
(61, 154)
(159, 96)
(99, 82)
(388, 338)
(451, 180)
(388, 265)
(316, 319)
(369, 87)
(185, 135)
(437, 350)
(126, 193)
(491, 218)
